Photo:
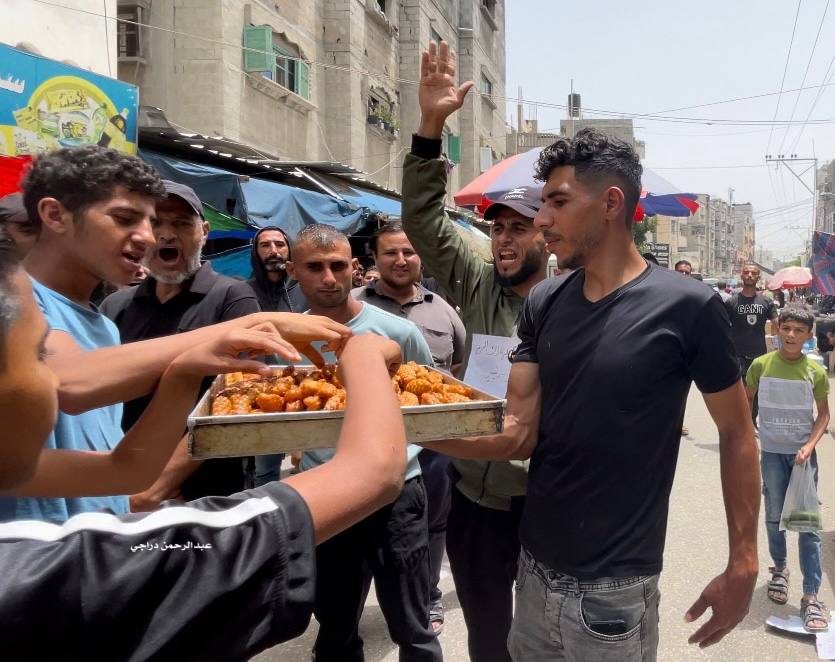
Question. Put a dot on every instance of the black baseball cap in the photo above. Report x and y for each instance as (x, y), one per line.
(524, 200)
(185, 193)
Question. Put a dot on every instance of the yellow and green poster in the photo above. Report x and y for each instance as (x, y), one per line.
(46, 104)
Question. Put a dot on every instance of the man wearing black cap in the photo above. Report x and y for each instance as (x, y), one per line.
(15, 220)
(482, 529)
(180, 294)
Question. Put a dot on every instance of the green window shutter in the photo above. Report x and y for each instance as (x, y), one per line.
(454, 143)
(303, 79)
(259, 38)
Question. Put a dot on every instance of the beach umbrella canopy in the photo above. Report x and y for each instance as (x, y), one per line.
(658, 196)
(790, 277)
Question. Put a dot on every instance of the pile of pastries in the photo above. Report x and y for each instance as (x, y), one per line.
(296, 390)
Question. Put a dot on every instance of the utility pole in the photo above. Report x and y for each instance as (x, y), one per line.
(520, 118)
(571, 111)
(787, 160)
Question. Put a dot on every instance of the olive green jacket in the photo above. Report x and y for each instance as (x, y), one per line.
(486, 306)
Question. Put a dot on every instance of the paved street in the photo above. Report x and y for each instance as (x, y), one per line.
(696, 551)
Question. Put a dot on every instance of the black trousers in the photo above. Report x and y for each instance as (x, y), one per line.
(435, 470)
(392, 547)
(483, 549)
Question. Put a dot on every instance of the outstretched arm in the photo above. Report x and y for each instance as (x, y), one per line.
(367, 470)
(92, 379)
(521, 423)
(141, 455)
(729, 594)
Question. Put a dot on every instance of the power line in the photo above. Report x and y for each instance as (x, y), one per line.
(805, 73)
(785, 69)
(814, 102)
(651, 117)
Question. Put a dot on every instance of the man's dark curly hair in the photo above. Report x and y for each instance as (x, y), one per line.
(596, 156)
(82, 176)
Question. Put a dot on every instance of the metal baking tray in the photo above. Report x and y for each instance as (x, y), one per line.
(263, 434)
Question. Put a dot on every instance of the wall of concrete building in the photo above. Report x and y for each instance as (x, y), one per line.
(742, 217)
(825, 214)
(354, 51)
(76, 34)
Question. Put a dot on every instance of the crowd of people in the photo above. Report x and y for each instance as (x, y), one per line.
(555, 548)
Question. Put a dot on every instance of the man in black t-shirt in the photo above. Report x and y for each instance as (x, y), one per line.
(596, 399)
(749, 312)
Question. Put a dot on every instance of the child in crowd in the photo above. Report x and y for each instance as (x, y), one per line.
(789, 387)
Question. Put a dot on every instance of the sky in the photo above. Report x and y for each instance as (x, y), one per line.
(653, 56)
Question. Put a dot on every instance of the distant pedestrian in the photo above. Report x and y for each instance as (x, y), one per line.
(790, 386)
(749, 312)
(371, 275)
(722, 291)
(684, 267)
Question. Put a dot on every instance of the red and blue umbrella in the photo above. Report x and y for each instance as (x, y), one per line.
(658, 196)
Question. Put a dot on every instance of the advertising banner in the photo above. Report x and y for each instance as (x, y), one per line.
(45, 105)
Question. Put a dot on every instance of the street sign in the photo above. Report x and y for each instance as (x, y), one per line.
(661, 253)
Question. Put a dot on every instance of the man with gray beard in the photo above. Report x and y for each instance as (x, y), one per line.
(180, 294)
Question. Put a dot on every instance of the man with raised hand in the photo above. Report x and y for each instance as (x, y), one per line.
(487, 497)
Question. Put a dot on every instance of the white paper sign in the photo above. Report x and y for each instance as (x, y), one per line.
(489, 364)
(825, 642)
(791, 624)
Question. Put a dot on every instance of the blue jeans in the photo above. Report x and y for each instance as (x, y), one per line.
(776, 471)
(560, 618)
(267, 468)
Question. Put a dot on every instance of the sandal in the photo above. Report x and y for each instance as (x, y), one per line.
(436, 618)
(814, 610)
(778, 587)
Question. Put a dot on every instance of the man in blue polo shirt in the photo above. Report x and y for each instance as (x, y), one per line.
(393, 542)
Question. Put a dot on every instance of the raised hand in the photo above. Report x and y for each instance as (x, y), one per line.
(438, 94)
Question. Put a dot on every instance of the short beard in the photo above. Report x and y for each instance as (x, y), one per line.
(192, 267)
(531, 265)
(578, 258)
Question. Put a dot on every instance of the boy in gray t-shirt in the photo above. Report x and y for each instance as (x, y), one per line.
(789, 387)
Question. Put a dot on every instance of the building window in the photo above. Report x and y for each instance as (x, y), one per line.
(381, 113)
(434, 35)
(486, 158)
(486, 85)
(130, 35)
(381, 4)
(276, 59)
(489, 5)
